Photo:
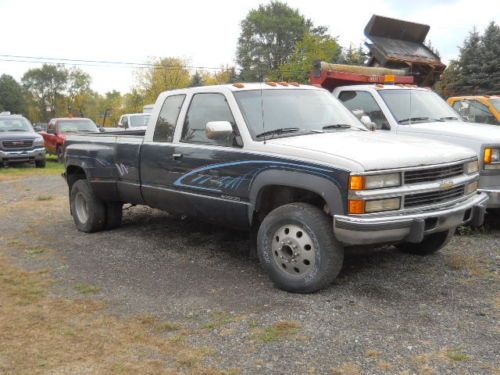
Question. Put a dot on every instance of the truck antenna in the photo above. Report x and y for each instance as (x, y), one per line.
(262, 108)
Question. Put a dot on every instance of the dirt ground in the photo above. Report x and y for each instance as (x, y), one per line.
(160, 295)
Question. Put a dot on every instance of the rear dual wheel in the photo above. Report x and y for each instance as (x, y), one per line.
(297, 248)
(91, 214)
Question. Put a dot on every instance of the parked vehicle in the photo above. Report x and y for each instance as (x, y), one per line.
(19, 143)
(134, 121)
(407, 109)
(289, 162)
(59, 128)
(482, 108)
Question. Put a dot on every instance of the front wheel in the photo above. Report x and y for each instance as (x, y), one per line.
(297, 248)
(89, 212)
(40, 163)
(60, 154)
(429, 245)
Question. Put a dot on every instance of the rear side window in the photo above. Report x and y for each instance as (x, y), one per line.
(360, 100)
(165, 125)
(205, 108)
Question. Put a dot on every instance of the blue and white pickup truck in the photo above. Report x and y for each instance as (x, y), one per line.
(289, 162)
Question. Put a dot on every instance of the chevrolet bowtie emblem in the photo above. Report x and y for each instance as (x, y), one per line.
(446, 185)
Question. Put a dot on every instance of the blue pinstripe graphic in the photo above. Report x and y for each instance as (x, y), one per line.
(235, 183)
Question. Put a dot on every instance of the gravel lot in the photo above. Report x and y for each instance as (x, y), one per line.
(387, 313)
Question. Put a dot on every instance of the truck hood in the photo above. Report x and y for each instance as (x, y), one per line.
(482, 133)
(376, 150)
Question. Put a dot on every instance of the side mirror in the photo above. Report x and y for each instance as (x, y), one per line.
(38, 128)
(367, 121)
(101, 129)
(218, 129)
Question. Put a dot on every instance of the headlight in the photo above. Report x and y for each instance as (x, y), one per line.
(375, 181)
(38, 142)
(471, 188)
(491, 158)
(471, 167)
(379, 205)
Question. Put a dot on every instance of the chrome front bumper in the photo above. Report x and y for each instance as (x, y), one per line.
(356, 230)
(494, 195)
(22, 156)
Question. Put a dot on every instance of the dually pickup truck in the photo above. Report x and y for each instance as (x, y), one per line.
(288, 162)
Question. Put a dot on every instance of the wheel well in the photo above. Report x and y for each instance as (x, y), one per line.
(73, 174)
(271, 197)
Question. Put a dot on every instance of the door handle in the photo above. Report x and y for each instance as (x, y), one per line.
(176, 156)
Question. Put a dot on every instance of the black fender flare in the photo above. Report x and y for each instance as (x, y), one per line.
(322, 186)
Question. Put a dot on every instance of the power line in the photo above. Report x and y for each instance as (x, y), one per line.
(84, 62)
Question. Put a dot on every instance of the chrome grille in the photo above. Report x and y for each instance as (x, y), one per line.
(17, 144)
(433, 174)
(433, 197)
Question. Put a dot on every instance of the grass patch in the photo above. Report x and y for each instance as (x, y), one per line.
(44, 198)
(347, 369)
(15, 171)
(219, 319)
(44, 335)
(34, 251)
(86, 289)
(279, 330)
(168, 327)
(457, 355)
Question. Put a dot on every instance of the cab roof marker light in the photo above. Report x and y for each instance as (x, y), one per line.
(283, 83)
(271, 83)
(238, 85)
(296, 84)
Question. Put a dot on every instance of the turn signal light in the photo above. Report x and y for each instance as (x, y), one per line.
(488, 152)
(356, 206)
(356, 182)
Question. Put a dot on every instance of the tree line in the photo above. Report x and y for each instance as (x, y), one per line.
(276, 42)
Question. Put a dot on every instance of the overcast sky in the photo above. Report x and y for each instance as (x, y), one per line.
(203, 32)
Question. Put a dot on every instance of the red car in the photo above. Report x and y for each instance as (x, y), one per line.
(59, 128)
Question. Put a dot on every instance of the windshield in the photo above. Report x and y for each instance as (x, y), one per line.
(305, 111)
(409, 106)
(496, 103)
(75, 126)
(15, 125)
(139, 120)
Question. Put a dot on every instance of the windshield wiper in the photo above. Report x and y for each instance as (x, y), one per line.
(412, 119)
(448, 118)
(277, 132)
(15, 130)
(336, 126)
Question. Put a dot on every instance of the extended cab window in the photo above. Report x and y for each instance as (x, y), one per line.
(478, 112)
(364, 101)
(205, 108)
(165, 125)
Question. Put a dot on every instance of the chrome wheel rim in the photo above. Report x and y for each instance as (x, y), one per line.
(81, 208)
(293, 250)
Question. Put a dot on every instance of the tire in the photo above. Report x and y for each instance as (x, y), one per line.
(429, 245)
(89, 212)
(114, 213)
(60, 154)
(297, 248)
(40, 163)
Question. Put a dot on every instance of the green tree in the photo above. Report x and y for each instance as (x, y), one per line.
(11, 95)
(167, 73)
(352, 56)
(133, 102)
(196, 80)
(46, 86)
(78, 90)
(489, 76)
(310, 48)
(268, 37)
(469, 64)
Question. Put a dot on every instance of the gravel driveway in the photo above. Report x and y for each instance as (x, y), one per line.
(387, 312)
